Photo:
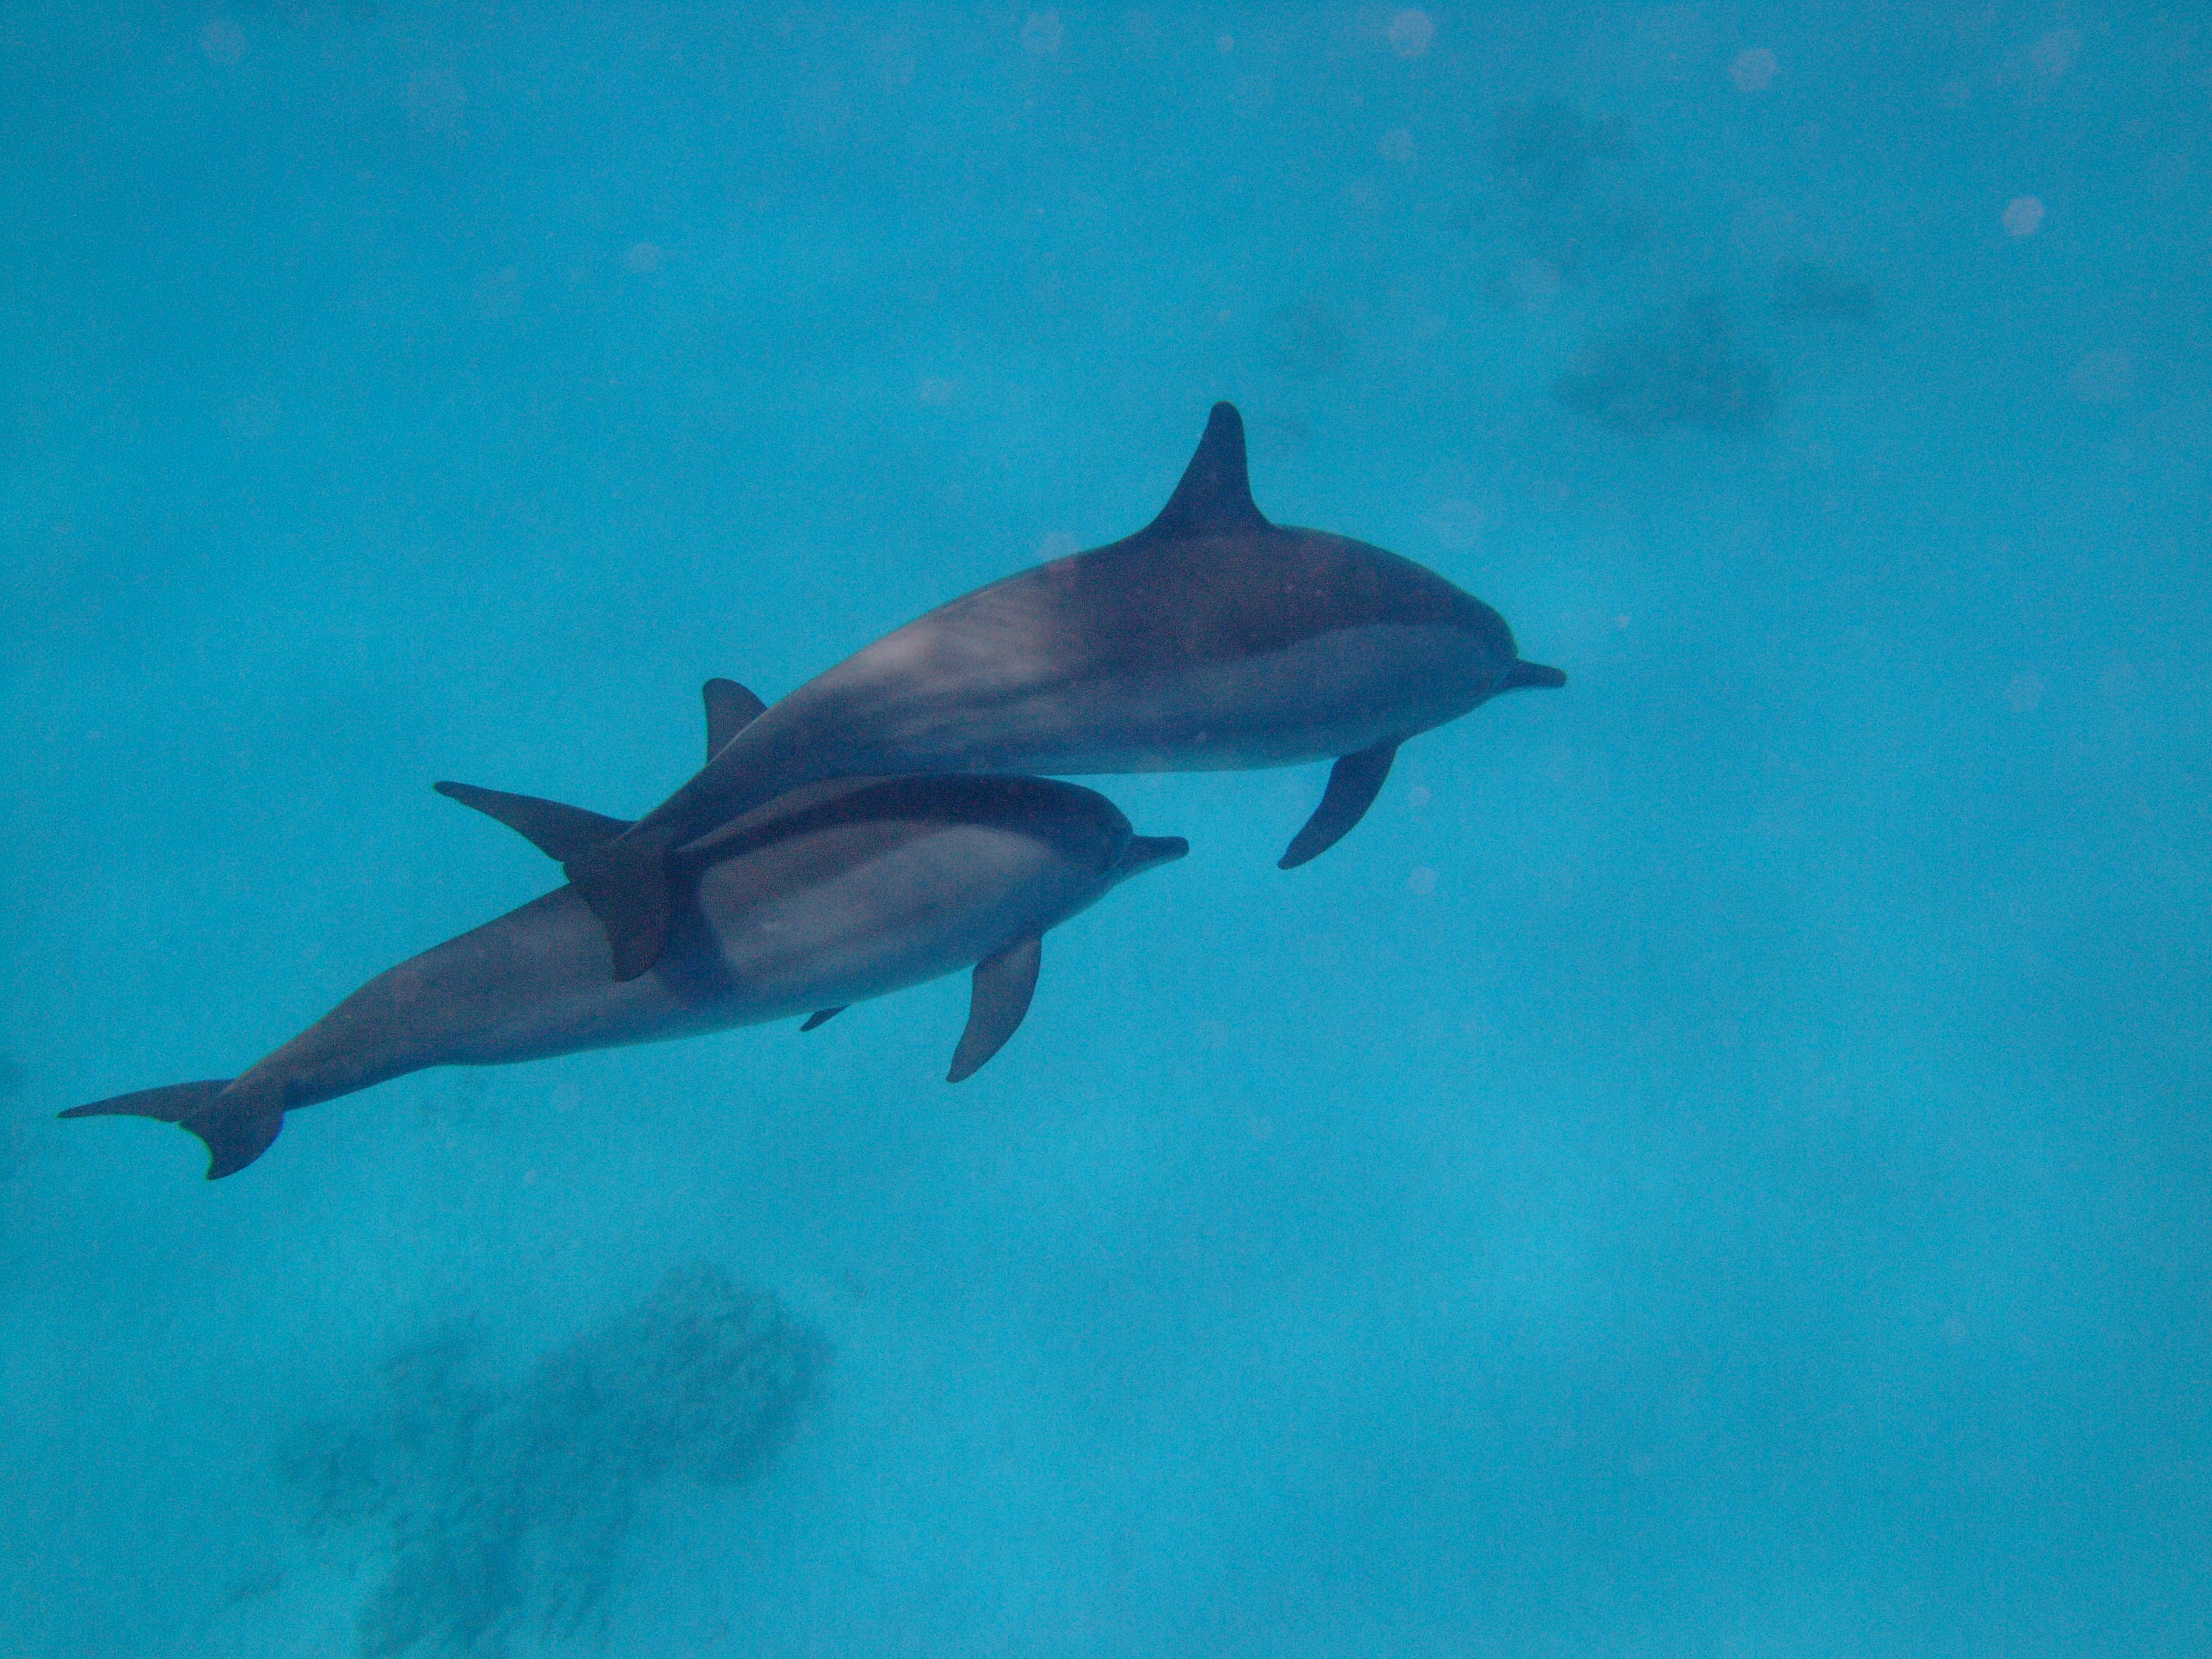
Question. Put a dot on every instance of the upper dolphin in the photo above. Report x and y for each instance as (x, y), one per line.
(837, 891)
(1210, 640)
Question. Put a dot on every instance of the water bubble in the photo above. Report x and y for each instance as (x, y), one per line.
(1397, 145)
(1754, 71)
(2023, 216)
(2023, 692)
(223, 40)
(2104, 377)
(1422, 882)
(1456, 524)
(643, 257)
(2054, 54)
(1411, 33)
(1044, 35)
(497, 294)
(434, 101)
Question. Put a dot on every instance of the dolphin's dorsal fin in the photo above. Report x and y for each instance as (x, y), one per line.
(1215, 495)
(560, 832)
(730, 709)
(1005, 980)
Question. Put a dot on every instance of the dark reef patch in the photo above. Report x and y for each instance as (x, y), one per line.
(1545, 147)
(1680, 368)
(506, 1509)
(1804, 288)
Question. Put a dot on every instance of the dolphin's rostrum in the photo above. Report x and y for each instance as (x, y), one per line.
(841, 890)
(1210, 640)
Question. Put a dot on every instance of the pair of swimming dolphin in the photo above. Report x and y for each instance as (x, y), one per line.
(877, 828)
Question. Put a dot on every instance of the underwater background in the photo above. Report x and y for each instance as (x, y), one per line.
(1717, 1164)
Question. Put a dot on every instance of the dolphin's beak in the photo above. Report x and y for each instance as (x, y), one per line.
(1530, 676)
(1146, 851)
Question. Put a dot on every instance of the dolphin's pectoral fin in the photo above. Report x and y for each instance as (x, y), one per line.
(1527, 676)
(626, 883)
(559, 832)
(1005, 982)
(1215, 495)
(235, 1130)
(730, 709)
(823, 1017)
(1353, 783)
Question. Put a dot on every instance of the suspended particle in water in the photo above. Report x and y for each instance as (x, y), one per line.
(1411, 33)
(1044, 35)
(2104, 377)
(1754, 71)
(2023, 216)
(223, 40)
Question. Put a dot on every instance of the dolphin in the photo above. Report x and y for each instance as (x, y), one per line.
(843, 890)
(1210, 640)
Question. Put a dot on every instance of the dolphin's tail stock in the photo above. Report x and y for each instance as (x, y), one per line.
(236, 1127)
(626, 882)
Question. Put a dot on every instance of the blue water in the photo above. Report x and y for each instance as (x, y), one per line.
(1717, 1164)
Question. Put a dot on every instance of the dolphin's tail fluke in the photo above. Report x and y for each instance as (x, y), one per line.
(236, 1128)
(1531, 676)
(626, 882)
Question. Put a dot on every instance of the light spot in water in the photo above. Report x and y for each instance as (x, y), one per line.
(223, 40)
(1423, 881)
(2104, 377)
(1753, 70)
(1456, 524)
(2023, 216)
(2023, 692)
(1412, 32)
(2054, 54)
(1044, 35)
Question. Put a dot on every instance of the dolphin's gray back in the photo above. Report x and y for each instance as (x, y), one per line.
(1134, 657)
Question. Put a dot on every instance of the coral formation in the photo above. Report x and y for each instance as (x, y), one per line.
(1545, 147)
(507, 1508)
(1574, 218)
(1682, 368)
(1804, 288)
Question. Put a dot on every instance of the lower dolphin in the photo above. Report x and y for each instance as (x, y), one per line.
(1210, 640)
(832, 894)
